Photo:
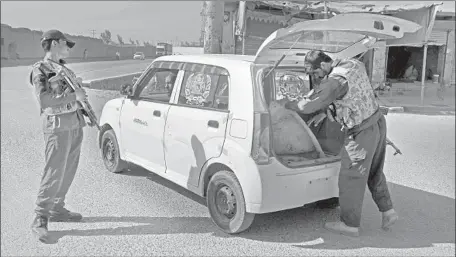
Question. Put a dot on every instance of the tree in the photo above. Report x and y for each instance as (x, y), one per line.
(137, 42)
(132, 41)
(106, 36)
(120, 39)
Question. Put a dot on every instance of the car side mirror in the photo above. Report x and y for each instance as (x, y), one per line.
(126, 89)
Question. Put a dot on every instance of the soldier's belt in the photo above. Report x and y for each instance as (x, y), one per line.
(62, 109)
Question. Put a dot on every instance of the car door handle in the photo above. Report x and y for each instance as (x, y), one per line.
(157, 113)
(213, 124)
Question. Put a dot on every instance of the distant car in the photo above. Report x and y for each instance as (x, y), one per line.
(139, 56)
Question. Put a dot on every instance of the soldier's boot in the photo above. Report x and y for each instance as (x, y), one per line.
(389, 218)
(340, 228)
(64, 215)
(40, 228)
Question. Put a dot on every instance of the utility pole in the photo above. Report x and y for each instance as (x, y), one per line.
(93, 33)
(213, 27)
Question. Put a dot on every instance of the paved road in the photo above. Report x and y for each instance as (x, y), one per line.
(89, 70)
(138, 213)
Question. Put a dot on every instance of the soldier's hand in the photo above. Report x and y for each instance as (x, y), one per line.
(317, 119)
(330, 115)
(282, 101)
(80, 94)
(79, 79)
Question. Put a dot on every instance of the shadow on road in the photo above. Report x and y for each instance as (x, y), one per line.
(136, 171)
(426, 219)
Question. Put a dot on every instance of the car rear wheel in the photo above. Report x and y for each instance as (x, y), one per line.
(226, 203)
(110, 153)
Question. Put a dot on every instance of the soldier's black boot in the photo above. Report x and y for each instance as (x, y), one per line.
(64, 215)
(40, 228)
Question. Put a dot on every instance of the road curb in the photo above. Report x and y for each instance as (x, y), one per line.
(110, 83)
(396, 109)
(427, 110)
(430, 110)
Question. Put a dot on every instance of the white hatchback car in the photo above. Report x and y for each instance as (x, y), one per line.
(200, 121)
(139, 56)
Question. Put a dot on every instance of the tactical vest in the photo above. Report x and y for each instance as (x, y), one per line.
(359, 102)
(47, 70)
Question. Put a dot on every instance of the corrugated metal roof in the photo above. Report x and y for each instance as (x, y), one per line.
(438, 37)
(384, 7)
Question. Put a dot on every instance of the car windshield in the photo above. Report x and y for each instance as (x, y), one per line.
(138, 53)
(327, 41)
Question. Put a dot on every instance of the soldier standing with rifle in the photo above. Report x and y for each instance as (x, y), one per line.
(348, 95)
(62, 123)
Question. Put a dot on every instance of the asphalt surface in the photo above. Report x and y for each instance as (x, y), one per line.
(138, 213)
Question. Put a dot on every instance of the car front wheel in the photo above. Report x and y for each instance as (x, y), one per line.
(110, 153)
(226, 203)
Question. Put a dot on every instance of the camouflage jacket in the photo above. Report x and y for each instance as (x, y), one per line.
(58, 105)
(359, 102)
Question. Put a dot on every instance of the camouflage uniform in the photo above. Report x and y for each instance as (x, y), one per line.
(62, 124)
(349, 91)
(363, 156)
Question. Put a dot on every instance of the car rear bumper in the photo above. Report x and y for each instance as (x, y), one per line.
(284, 188)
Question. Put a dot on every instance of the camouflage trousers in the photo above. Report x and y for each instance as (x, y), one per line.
(62, 153)
(363, 157)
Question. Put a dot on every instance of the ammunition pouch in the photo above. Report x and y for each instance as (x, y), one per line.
(62, 109)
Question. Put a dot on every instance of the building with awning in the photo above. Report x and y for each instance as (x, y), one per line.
(248, 23)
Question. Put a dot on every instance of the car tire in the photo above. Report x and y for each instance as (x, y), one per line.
(226, 203)
(330, 203)
(110, 153)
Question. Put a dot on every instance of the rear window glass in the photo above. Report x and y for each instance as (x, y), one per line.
(328, 41)
(291, 85)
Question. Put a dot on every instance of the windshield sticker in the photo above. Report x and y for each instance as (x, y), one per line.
(290, 85)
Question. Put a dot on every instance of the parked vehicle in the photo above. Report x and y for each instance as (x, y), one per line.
(139, 56)
(209, 130)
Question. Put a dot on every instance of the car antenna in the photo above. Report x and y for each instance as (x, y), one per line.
(281, 58)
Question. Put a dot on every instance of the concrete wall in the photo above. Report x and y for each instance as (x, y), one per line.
(188, 50)
(26, 43)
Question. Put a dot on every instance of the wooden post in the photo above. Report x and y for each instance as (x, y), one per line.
(423, 73)
(213, 27)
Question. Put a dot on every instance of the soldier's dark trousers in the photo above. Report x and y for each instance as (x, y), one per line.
(62, 157)
(362, 162)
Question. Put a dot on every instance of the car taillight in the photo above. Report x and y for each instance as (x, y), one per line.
(261, 146)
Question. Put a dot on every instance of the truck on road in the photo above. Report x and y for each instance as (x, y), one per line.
(164, 49)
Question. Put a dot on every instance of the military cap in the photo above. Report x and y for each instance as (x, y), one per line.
(57, 35)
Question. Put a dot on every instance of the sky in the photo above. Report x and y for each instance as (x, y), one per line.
(139, 20)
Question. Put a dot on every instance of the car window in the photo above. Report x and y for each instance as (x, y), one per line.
(291, 85)
(157, 85)
(328, 41)
(204, 90)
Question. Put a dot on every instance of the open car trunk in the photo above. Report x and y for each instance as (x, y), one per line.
(293, 142)
(282, 57)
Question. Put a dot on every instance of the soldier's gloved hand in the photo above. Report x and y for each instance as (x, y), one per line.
(317, 119)
(80, 94)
